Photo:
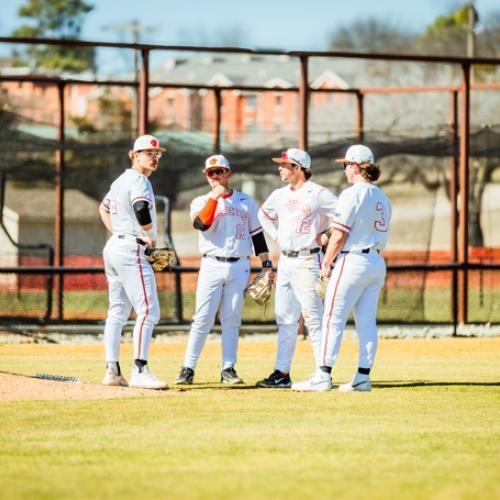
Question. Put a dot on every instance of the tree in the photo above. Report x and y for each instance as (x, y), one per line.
(371, 35)
(60, 19)
(451, 34)
(114, 112)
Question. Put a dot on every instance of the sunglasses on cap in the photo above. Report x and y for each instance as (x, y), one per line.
(215, 171)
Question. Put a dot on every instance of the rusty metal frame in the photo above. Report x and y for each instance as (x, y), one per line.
(459, 178)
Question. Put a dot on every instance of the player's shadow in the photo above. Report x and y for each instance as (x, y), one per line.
(214, 385)
(394, 384)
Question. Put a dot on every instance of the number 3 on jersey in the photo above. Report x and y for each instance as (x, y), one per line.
(380, 223)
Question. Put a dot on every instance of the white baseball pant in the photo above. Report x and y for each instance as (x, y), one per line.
(355, 284)
(131, 283)
(219, 284)
(296, 294)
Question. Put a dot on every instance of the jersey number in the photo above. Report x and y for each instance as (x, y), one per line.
(304, 226)
(380, 224)
(240, 235)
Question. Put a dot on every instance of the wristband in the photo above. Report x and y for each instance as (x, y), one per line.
(267, 263)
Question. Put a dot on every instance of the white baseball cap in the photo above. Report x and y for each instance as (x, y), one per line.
(358, 154)
(144, 142)
(295, 156)
(216, 161)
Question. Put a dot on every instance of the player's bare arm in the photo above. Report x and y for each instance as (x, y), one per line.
(335, 245)
(105, 217)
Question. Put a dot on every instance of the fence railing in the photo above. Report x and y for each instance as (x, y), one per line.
(413, 294)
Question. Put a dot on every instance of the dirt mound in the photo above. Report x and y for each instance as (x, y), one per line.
(14, 387)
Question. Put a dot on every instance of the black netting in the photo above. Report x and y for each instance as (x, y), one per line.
(416, 166)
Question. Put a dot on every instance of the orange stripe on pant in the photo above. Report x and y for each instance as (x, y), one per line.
(145, 300)
(331, 310)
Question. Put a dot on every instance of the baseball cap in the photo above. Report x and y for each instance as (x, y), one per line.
(216, 161)
(147, 142)
(357, 154)
(295, 156)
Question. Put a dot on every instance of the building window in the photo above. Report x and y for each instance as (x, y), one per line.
(170, 103)
(251, 101)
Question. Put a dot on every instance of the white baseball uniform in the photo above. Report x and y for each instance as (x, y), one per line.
(300, 215)
(364, 213)
(224, 273)
(130, 277)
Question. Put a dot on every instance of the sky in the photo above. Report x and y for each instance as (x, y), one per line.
(256, 24)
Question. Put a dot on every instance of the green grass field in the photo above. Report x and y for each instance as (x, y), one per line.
(429, 429)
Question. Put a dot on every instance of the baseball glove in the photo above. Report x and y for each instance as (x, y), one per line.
(160, 258)
(321, 286)
(261, 288)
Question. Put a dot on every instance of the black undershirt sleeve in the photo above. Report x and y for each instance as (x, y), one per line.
(197, 224)
(259, 243)
(142, 213)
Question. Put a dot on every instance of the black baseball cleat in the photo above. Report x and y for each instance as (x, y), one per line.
(185, 376)
(229, 376)
(277, 380)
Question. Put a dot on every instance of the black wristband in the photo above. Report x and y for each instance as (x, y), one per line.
(267, 263)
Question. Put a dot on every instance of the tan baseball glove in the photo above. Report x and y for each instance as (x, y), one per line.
(321, 286)
(160, 258)
(261, 288)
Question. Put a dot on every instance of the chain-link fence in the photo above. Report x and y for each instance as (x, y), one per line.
(48, 157)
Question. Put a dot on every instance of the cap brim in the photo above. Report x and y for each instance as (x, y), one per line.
(288, 162)
(340, 160)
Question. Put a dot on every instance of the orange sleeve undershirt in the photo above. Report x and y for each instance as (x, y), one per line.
(207, 214)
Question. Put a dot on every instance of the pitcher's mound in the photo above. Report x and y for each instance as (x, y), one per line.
(22, 388)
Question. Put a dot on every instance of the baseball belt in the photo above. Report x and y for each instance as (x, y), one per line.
(124, 236)
(296, 253)
(365, 250)
(223, 259)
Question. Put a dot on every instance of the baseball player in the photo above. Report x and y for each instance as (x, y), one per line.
(302, 211)
(359, 233)
(128, 212)
(228, 227)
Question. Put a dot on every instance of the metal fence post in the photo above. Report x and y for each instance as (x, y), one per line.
(218, 119)
(304, 102)
(463, 249)
(144, 93)
(59, 202)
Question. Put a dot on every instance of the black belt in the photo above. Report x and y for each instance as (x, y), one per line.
(123, 236)
(296, 253)
(365, 250)
(223, 259)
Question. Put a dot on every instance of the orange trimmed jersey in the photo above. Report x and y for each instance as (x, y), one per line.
(295, 218)
(234, 224)
(364, 213)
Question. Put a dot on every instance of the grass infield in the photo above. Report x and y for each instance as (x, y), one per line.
(429, 428)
